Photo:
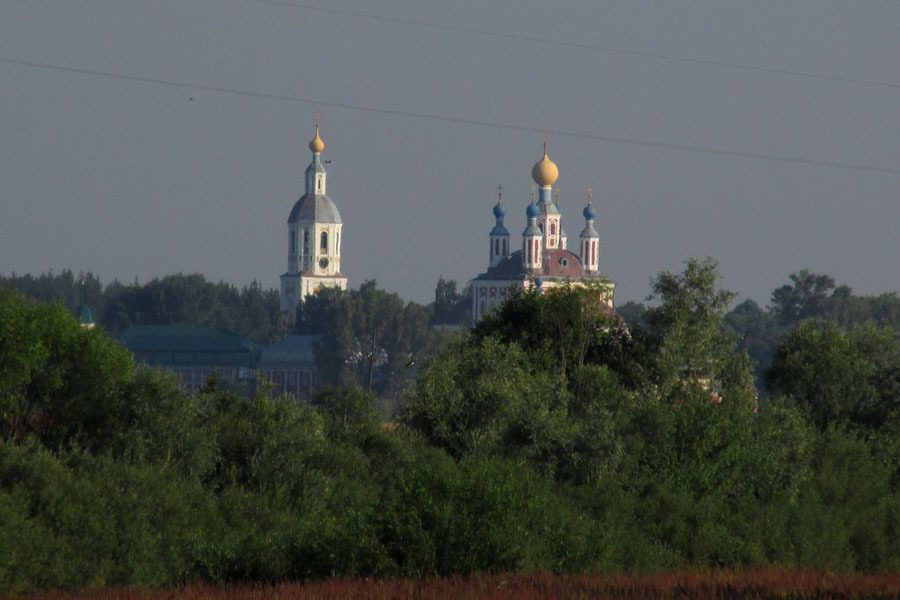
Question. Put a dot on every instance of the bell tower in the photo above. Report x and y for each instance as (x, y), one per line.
(314, 237)
(499, 234)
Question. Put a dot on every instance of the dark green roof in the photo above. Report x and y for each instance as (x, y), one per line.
(189, 346)
(184, 338)
(292, 350)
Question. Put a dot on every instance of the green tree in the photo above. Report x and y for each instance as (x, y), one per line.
(450, 306)
(807, 297)
(685, 337)
(485, 397)
(369, 337)
(558, 327)
(839, 377)
(57, 379)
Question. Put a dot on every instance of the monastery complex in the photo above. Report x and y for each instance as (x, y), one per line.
(543, 260)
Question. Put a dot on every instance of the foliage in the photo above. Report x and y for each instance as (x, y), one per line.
(810, 295)
(839, 377)
(685, 328)
(250, 311)
(369, 337)
(450, 306)
(549, 439)
(557, 327)
(58, 380)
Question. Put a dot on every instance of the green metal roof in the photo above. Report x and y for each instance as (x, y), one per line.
(184, 338)
(292, 350)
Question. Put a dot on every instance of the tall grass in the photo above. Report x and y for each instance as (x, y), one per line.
(782, 584)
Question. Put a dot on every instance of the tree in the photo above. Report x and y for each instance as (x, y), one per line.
(369, 337)
(757, 333)
(484, 396)
(807, 297)
(839, 377)
(557, 327)
(684, 334)
(57, 379)
(450, 306)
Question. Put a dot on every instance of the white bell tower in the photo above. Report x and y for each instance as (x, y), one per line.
(314, 238)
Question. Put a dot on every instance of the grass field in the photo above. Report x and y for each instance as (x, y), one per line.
(762, 584)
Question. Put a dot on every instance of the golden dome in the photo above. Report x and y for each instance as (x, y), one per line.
(545, 172)
(317, 145)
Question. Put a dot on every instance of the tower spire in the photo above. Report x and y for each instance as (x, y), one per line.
(499, 239)
(590, 244)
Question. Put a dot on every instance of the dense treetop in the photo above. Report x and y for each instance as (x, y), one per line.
(548, 438)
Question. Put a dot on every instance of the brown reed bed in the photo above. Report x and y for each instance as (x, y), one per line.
(783, 584)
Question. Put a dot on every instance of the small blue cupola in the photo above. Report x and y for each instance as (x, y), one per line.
(590, 239)
(499, 234)
(532, 238)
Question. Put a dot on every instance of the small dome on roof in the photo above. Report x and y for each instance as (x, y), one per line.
(317, 145)
(532, 212)
(589, 212)
(545, 172)
(499, 210)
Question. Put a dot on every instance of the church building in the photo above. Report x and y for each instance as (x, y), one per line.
(314, 238)
(544, 260)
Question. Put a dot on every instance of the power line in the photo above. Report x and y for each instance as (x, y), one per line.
(581, 45)
(457, 120)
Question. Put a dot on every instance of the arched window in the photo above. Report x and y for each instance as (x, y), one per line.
(323, 242)
(305, 242)
(541, 227)
(553, 228)
(293, 242)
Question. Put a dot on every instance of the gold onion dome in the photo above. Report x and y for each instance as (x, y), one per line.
(317, 145)
(545, 172)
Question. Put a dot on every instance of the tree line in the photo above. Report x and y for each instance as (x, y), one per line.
(548, 438)
(369, 336)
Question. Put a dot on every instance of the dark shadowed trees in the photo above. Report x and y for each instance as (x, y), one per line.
(369, 337)
(839, 377)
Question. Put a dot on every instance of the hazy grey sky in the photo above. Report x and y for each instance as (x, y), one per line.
(131, 178)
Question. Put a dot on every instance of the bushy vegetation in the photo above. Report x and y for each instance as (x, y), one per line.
(249, 311)
(549, 438)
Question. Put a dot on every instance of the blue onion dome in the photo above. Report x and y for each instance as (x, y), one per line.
(532, 212)
(589, 212)
(499, 211)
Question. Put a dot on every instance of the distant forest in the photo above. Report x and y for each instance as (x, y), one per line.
(349, 321)
(550, 437)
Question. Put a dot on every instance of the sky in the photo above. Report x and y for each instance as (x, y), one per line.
(141, 139)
